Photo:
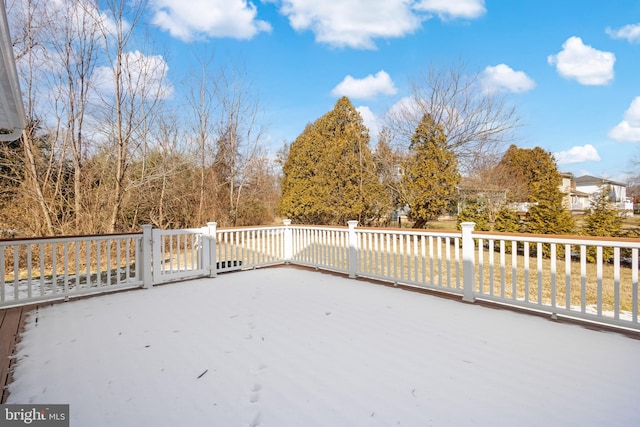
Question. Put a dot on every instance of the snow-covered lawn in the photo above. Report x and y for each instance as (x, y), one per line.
(291, 347)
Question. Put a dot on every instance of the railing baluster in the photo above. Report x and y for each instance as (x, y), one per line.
(65, 257)
(440, 269)
(29, 275)
(553, 274)
(492, 276)
(481, 266)
(616, 283)
(599, 277)
(416, 257)
(128, 259)
(98, 263)
(447, 250)
(526, 271)
(423, 255)
(431, 260)
(456, 250)
(567, 275)
(107, 246)
(583, 278)
(514, 270)
(88, 261)
(401, 255)
(118, 261)
(16, 273)
(503, 266)
(76, 257)
(634, 285)
(539, 271)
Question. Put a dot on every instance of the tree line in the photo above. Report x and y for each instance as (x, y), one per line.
(109, 147)
(331, 176)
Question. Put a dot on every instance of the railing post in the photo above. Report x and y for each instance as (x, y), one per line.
(288, 241)
(157, 255)
(147, 254)
(468, 261)
(211, 238)
(353, 249)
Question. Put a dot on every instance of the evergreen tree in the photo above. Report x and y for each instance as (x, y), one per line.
(329, 174)
(430, 174)
(507, 221)
(474, 210)
(533, 177)
(602, 220)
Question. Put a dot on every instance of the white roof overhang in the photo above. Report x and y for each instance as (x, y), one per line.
(12, 117)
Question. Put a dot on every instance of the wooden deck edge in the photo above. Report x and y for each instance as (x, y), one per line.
(11, 326)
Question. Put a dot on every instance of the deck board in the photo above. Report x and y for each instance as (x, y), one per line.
(11, 322)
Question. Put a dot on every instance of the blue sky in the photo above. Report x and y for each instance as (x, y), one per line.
(571, 67)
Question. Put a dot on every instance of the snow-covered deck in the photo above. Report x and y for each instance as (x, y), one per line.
(291, 347)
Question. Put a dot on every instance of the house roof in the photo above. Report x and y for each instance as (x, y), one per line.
(12, 116)
(594, 180)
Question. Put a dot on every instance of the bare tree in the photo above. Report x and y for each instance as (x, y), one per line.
(475, 123)
(138, 84)
(239, 135)
(201, 100)
(30, 20)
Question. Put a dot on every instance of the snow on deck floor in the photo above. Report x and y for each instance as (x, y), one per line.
(291, 347)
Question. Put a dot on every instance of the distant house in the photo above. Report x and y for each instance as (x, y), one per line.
(584, 187)
(578, 194)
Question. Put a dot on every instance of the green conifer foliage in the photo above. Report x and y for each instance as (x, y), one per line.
(507, 221)
(430, 174)
(329, 175)
(534, 173)
(474, 210)
(602, 220)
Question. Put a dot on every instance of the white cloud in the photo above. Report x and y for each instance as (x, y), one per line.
(577, 154)
(366, 88)
(587, 65)
(447, 9)
(629, 32)
(504, 78)
(187, 20)
(352, 23)
(629, 128)
(371, 121)
(145, 76)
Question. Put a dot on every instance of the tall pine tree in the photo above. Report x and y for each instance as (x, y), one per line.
(329, 175)
(430, 174)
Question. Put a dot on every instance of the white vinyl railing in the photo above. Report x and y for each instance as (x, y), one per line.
(594, 279)
(427, 259)
(62, 267)
(320, 247)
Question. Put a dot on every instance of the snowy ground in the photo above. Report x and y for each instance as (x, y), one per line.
(290, 347)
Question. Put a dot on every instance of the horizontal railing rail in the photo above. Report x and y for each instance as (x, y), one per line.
(589, 278)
